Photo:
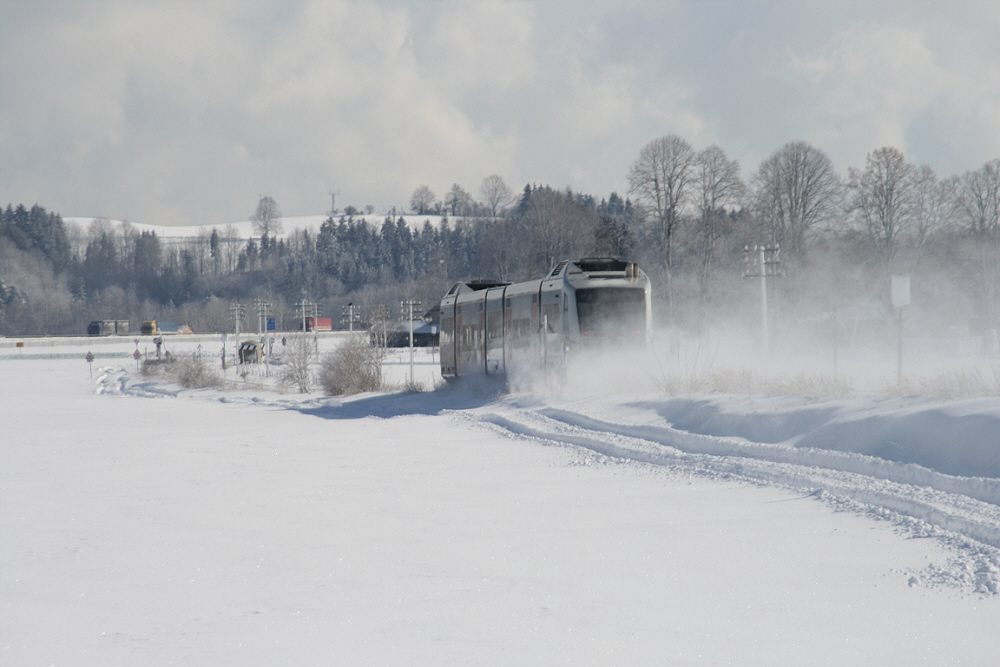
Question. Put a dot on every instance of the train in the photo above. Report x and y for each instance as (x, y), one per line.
(507, 329)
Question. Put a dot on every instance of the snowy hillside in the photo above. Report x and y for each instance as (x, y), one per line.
(603, 524)
(244, 229)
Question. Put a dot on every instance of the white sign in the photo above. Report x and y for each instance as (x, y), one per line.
(900, 291)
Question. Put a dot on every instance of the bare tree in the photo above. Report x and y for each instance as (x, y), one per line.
(559, 227)
(882, 201)
(979, 205)
(231, 243)
(660, 179)
(718, 188)
(99, 226)
(979, 201)
(126, 247)
(458, 201)
(504, 246)
(795, 191)
(495, 194)
(297, 370)
(933, 207)
(267, 218)
(422, 200)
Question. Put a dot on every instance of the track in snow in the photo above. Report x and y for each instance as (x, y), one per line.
(962, 512)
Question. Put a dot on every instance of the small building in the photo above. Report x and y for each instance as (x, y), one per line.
(249, 352)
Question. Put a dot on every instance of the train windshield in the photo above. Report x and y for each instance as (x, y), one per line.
(610, 312)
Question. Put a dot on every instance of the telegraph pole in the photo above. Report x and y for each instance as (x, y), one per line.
(410, 304)
(347, 313)
(900, 296)
(307, 309)
(762, 264)
(237, 311)
(263, 312)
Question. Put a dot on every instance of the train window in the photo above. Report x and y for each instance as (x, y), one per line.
(494, 324)
(608, 311)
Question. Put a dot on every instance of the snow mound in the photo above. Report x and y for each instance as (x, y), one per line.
(954, 437)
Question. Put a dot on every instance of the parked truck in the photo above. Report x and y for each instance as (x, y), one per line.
(319, 324)
(157, 327)
(108, 328)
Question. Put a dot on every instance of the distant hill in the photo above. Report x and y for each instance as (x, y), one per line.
(244, 228)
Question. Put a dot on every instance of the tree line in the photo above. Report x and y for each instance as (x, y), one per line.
(689, 218)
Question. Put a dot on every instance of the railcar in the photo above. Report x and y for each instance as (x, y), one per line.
(504, 329)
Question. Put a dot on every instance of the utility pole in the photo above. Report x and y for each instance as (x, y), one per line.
(306, 309)
(410, 304)
(763, 264)
(310, 309)
(263, 312)
(900, 297)
(347, 313)
(237, 311)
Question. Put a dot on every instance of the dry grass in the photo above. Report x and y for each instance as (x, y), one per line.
(964, 383)
(952, 384)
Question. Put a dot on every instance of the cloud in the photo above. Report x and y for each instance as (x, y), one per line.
(877, 85)
(186, 112)
(867, 84)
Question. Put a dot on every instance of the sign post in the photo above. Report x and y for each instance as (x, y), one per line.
(90, 362)
(900, 297)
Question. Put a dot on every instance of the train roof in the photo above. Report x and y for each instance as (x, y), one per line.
(475, 286)
(609, 266)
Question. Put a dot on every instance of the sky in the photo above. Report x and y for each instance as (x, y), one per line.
(180, 113)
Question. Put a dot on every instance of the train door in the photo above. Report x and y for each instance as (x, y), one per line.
(495, 358)
(552, 336)
(470, 338)
(521, 328)
(448, 339)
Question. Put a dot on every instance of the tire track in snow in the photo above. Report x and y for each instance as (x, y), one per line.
(979, 488)
(905, 492)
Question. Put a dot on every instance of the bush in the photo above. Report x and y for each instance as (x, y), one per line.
(354, 367)
(297, 369)
(155, 367)
(194, 372)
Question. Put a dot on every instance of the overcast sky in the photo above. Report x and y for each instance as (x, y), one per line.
(174, 112)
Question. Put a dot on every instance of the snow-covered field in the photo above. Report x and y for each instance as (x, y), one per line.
(604, 524)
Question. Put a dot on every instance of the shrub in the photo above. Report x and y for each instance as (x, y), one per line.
(354, 367)
(155, 367)
(297, 369)
(194, 372)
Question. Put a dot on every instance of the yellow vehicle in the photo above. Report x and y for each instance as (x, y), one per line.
(155, 328)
